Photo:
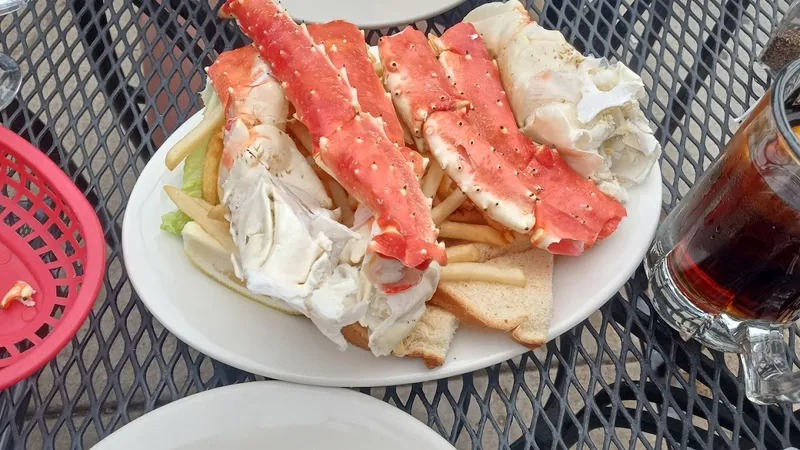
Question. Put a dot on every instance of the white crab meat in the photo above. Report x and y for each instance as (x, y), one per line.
(278, 153)
(587, 107)
(289, 251)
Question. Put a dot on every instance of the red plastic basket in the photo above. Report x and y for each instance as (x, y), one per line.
(50, 237)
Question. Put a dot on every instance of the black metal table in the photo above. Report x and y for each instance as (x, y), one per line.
(105, 81)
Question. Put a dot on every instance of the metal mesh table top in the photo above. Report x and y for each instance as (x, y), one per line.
(105, 81)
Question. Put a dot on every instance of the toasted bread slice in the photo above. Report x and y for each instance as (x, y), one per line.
(430, 339)
(524, 310)
(357, 335)
(533, 332)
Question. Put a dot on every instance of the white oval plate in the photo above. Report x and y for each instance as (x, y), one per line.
(273, 414)
(255, 338)
(367, 13)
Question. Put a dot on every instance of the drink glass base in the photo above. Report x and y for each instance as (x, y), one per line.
(678, 311)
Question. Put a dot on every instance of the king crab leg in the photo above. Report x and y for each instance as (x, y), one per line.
(256, 113)
(436, 112)
(571, 212)
(350, 144)
(345, 46)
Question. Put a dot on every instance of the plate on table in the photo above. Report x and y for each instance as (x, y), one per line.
(258, 339)
(367, 13)
(273, 414)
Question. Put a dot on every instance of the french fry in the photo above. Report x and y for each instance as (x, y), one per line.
(211, 169)
(473, 233)
(445, 187)
(339, 197)
(467, 216)
(463, 253)
(300, 132)
(447, 206)
(218, 212)
(198, 210)
(377, 66)
(211, 123)
(352, 202)
(430, 182)
(471, 271)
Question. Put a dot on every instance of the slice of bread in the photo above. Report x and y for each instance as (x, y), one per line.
(357, 335)
(430, 339)
(524, 310)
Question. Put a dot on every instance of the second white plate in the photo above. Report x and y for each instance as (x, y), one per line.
(252, 337)
(272, 414)
(367, 13)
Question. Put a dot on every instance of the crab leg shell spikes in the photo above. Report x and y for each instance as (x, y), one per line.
(345, 46)
(571, 212)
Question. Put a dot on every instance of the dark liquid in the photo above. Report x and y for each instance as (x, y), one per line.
(740, 246)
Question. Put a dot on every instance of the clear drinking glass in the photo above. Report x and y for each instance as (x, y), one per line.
(10, 76)
(725, 265)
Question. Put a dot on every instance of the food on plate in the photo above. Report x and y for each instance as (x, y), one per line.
(463, 253)
(473, 271)
(432, 179)
(212, 121)
(197, 210)
(587, 107)
(504, 307)
(430, 339)
(571, 213)
(447, 206)
(426, 99)
(463, 215)
(473, 233)
(214, 260)
(211, 169)
(386, 194)
(21, 292)
(521, 185)
(218, 212)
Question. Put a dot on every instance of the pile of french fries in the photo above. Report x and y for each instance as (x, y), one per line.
(461, 224)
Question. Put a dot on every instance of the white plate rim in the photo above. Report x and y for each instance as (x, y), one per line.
(364, 404)
(397, 19)
(133, 258)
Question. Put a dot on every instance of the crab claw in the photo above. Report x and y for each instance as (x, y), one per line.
(21, 292)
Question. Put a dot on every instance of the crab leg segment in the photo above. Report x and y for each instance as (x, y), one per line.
(571, 212)
(377, 174)
(247, 90)
(320, 93)
(415, 81)
(475, 166)
(345, 46)
(433, 107)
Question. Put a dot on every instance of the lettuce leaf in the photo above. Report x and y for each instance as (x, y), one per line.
(173, 222)
(193, 171)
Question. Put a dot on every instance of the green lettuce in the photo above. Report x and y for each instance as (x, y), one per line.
(173, 222)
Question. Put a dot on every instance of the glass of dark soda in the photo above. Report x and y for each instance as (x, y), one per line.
(725, 265)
